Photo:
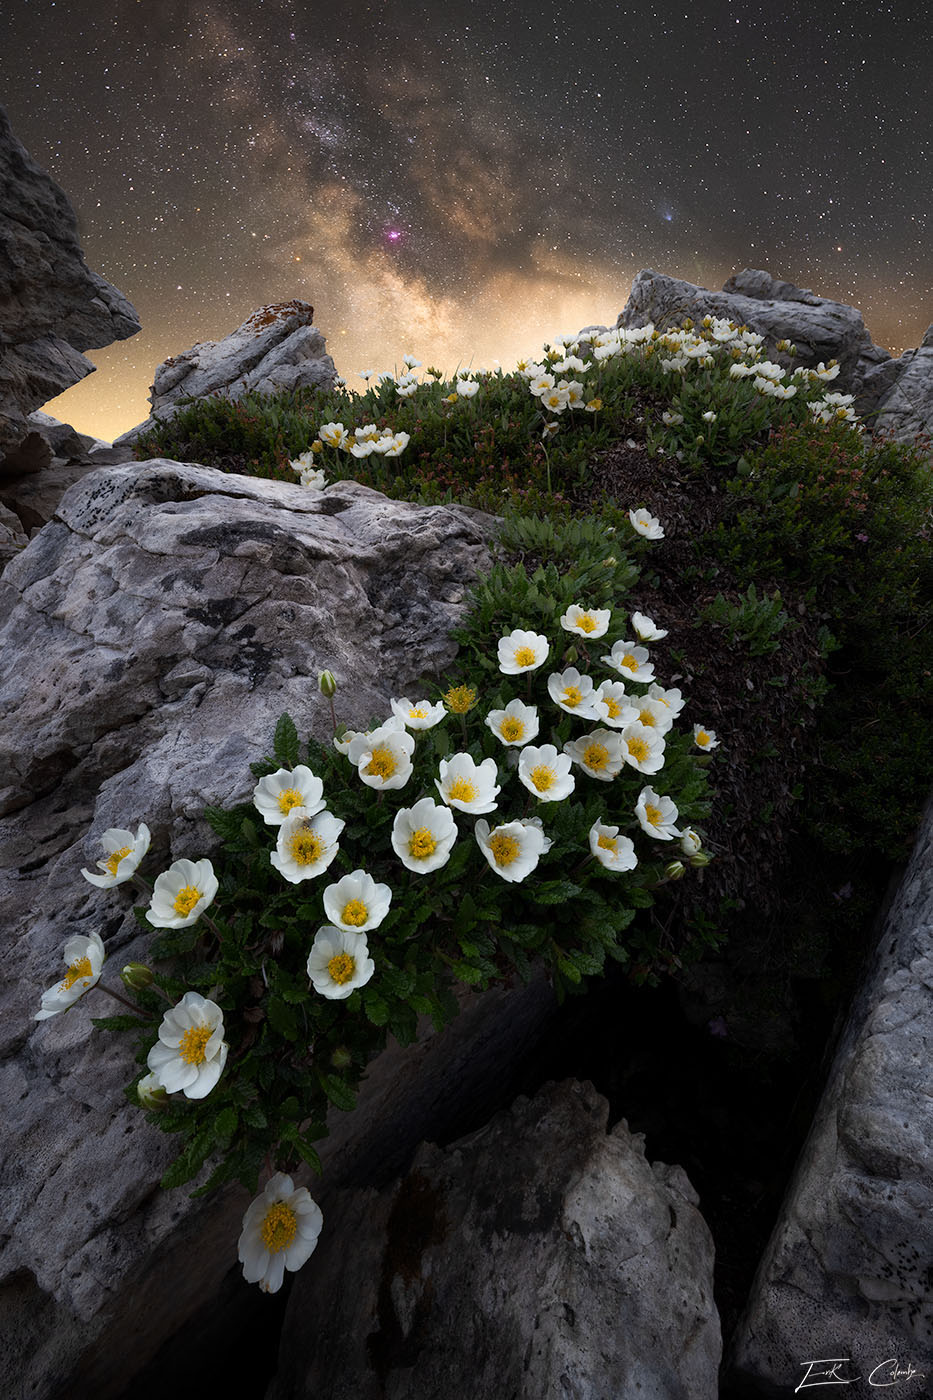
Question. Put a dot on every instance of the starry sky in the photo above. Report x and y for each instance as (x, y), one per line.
(460, 181)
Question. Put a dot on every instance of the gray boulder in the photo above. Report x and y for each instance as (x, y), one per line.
(150, 636)
(847, 1270)
(541, 1256)
(278, 347)
(52, 306)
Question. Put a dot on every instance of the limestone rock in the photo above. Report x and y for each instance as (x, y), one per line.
(278, 347)
(905, 411)
(847, 1270)
(13, 538)
(537, 1257)
(150, 637)
(51, 305)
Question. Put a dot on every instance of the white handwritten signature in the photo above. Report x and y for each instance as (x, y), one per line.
(829, 1370)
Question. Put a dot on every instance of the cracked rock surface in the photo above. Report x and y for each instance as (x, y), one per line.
(152, 634)
(540, 1256)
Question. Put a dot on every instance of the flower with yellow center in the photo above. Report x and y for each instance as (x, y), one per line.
(644, 628)
(613, 851)
(460, 699)
(612, 705)
(517, 724)
(594, 405)
(356, 902)
(672, 699)
(190, 1054)
(631, 661)
(642, 747)
(522, 651)
(705, 739)
(546, 773)
(182, 893)
(306, 845)
(513, 850)
(383, 757)
(418, 714)
(572, 692)
(339, 962)
(599, 754)
(654, 714)
(275, 797)
(423, 835)
(84, 958)
(122, 853)
(466, 785)
(334, 435)
(646, 524)
(590, 623)
(280, 1231)
(656, 815)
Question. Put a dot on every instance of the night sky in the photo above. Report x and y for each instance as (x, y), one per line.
(459, 181)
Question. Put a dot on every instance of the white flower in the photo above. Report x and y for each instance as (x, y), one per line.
(540, 384)
(784, 391)
(339, 962)
(467, 786)
(642, 748)
(517, 724)
(343, 745)
(671, 419)
(383, 758)
(613, 851)
(572, 692)
(690, 842)
(826, 372)
(645, 629)
(705, 738)
(418, 714)
(656, 815)
(709, 416)
(191, 1052)
(84, 958)
(546, 773)
(405, 390)
(654, 714)
(466, 388)
(396, 447)
(550, 429)
(423, 835)
(554, 400)
(363, 448)
(277, 795)
(366, 374)
(182, 893)
(574, 364)
(588, 622)
(306, 845)
(313, 479)
(356, 902)
(646, 524)
(280, 1231)
(333, 434)
(411, 362)
(610, 704)
(513, 850)
(631, 661)
(671, 698)
(123, 853)
(522, 651)
(741, 371)
(599, 754)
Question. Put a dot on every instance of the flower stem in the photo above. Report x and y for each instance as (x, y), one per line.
(99, 986)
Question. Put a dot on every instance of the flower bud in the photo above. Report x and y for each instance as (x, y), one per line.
(571, 655)
(136, 976)
(327, 684)
(341, 1058)
(674, 870)
(151, 1095)
(699, 860)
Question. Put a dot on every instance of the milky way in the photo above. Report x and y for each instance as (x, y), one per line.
(459, 182)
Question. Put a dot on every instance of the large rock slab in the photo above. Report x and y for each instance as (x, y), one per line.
(847, 1272)
(540, 1256)
(150, 636)
(52, 306)
(278, 347)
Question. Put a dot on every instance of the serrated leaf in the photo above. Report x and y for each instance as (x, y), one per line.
(225, 1124)
(226, 824)
(339, 1093)
(285, 743)
(118, 1023)
(282, 1018)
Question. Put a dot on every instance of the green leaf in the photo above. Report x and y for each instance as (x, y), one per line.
(281, 1017)
(226, 824)
(118, 1023)
(285, 743)
(338, 1091)
(225, 1124)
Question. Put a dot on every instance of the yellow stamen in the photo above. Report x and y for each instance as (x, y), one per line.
(185, 900)
(613, 708)
(653, 814)
(305, 848)
(341, 968)
(81, 967)
(512, 729)
(279, 1227)
(192, 1043)
(382, 764)
(702, 738)
(114, 860)
(607, 843)
(460, 699)
(418, 712)
(573, 696)
(355, 913)
(638, 749)
(421, 844)
(646, 717)
(504, 848)
(525, 656)
(629, 662)
(595, 756)
(543, 777)
(462, 790)
(289, 798)
(586, 623)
